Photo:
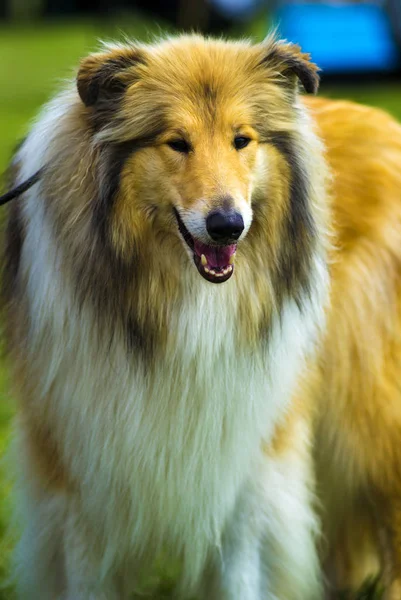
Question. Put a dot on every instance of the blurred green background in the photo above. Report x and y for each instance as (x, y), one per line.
(34, 61)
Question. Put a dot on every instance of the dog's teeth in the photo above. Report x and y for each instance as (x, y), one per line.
(207, 270)
(232, 259)
(211, 272)
(203, 260)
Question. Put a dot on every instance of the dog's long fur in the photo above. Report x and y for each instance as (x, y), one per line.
(163, 414)
(356, 385)
(155, 413)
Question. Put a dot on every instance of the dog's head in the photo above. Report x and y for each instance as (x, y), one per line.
(184, 125)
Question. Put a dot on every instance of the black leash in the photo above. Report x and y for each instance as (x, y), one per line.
(20, 189)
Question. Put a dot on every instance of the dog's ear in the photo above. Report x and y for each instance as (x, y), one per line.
(105, 75)
(292, 64)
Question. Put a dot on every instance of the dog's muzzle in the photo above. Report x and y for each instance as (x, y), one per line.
(215, 262)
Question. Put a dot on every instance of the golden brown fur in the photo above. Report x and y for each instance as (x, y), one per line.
(358, 388)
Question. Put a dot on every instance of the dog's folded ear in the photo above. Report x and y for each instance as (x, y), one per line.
(291, 64)
(105, 75)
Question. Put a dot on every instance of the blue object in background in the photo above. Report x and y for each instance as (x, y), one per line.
(235, 8)
(341, 38)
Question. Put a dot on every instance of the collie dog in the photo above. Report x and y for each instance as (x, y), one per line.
(160, 413)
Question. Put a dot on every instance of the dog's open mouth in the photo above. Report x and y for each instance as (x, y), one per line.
(214, 263)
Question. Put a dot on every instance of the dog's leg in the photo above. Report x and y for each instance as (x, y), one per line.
(349, 549)
(83, 564)
(290, 526)
(268, 550)
(38, 559)
(389, 537)
(234, 571)
(55, 558)
(289, 542)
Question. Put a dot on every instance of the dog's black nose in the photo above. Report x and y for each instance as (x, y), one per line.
(224, 226)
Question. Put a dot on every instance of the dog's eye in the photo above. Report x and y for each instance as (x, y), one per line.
(179, 146)
(241, 142)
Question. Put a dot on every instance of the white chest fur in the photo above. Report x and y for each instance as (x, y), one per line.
(160, 452)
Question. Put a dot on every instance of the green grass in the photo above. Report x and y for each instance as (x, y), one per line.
(387, 96)
(34, 62)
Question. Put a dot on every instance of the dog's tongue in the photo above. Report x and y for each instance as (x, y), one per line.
(216, 256)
